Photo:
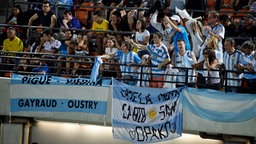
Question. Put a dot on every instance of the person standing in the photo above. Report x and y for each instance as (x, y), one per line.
(179, 32)
(184, 59)
(214, 29)
(126, 58)
(159, 59)
(231, 58)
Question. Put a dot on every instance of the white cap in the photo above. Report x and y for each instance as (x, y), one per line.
(176, 18)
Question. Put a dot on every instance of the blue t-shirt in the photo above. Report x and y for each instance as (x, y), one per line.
(178, 36)
(42, 67)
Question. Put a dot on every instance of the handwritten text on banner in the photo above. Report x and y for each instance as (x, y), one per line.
(144, 115)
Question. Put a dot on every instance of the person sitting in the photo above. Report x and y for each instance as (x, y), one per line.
(81, 51)
(12, 44)
(100, 24)
(70, 22)
(45, 17)
(42, 69)
(16, 18)
(50, 43)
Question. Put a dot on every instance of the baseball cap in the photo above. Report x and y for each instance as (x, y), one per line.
(176, 18)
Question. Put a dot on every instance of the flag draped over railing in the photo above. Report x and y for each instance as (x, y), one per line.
(145, 115)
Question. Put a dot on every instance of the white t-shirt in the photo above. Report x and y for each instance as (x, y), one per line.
(48, 46)
(109, 51)
(141, 36)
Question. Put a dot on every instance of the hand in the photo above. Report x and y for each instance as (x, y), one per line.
(113, 22)
(131, 13)
(65, 21)
(194, 66)
(207, 28)
(159, 66)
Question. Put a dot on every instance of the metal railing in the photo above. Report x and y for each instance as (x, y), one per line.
(11, 62)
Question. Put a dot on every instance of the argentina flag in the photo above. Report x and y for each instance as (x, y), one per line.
(146, 115)
(218, 106)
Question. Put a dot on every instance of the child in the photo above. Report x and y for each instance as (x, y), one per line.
(144, 75)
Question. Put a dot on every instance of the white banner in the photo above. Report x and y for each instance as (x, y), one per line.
(50, 97)
(145, 115)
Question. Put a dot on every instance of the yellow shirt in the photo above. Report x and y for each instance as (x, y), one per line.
(16, 45)
(100, 26)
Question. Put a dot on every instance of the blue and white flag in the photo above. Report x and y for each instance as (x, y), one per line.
(218, 106)
(17, 79)
(146, 115)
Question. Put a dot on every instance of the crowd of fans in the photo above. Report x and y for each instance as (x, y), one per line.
(159, 35)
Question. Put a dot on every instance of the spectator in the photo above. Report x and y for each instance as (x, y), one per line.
(179, 32)
(63, 49)
(70, 22)
(126, 58)
(112, 47)
(157, 21)
(230, 27)
(210, 78)
(12, 43)
(231, 58)
(42, 69)
(145, 71)
(24, 64)
(247, 64)
(118, 24)
(142, 36)
(81, 50)
(33, 42)
(185, 59)
(159, 59)
(62, 5)
(248, 27)
(161, 25)
(16, 18)
(248, 48)
(45, 17)
(71, 51)
(214, 29)
(101, 24)
(194, 27)
(50, 43)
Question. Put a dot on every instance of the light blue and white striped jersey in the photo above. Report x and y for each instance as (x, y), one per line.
(184, 61)
(128, 58)
(248, 59)
(229, 61)
(219, 30)
(158, 55)
(144, 76)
